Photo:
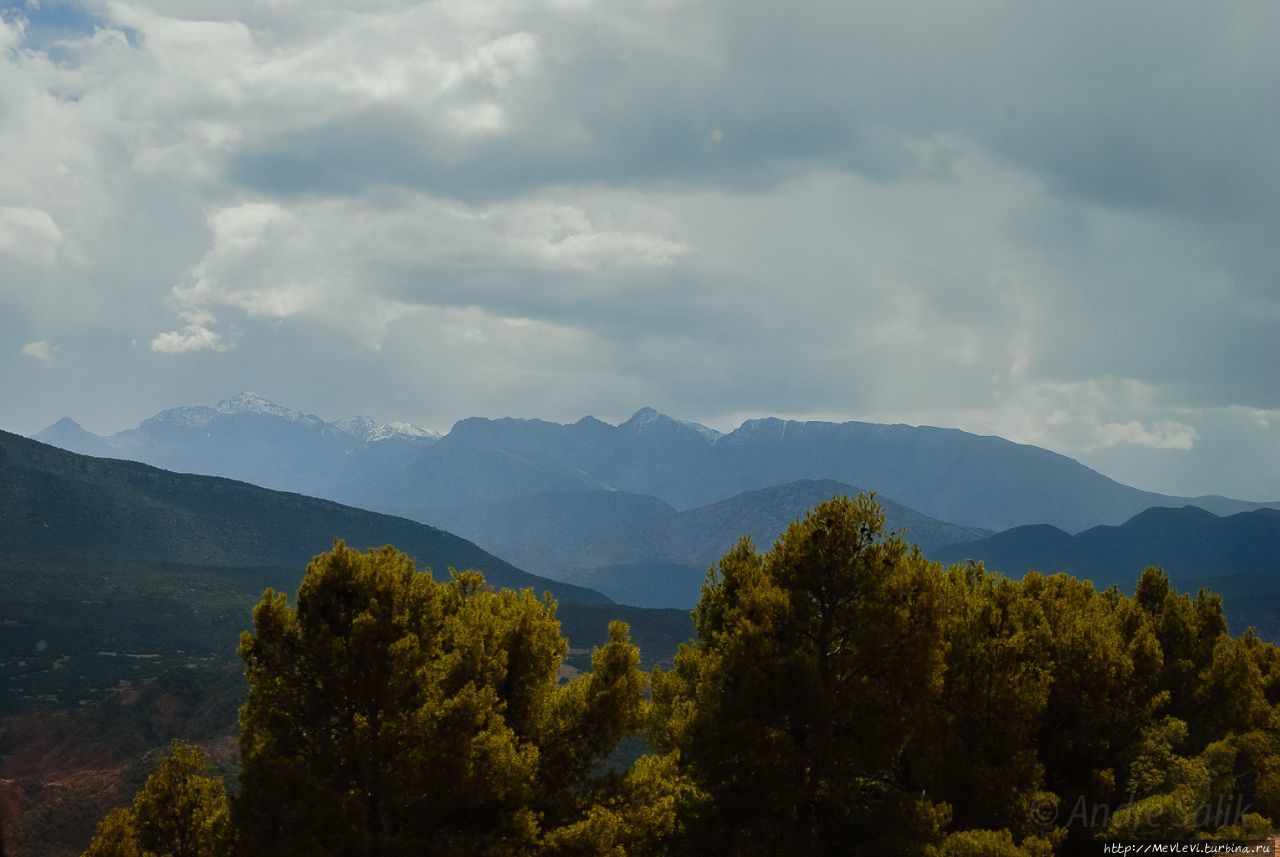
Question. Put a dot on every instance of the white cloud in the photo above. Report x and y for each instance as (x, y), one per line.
(1164, 434)
(563, 236)
(41, 349)
(1082, 416)
(195, 335)
(356, 268)
(29, 234)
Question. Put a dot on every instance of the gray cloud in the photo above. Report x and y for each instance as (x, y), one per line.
(1055, 225)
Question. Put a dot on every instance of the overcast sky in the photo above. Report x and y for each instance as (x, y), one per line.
(1059, 223)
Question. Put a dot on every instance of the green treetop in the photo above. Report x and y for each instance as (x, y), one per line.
(389, 714)
(180, 812)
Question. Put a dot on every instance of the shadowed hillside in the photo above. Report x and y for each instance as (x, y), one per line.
(59, 505)
(1188, 543)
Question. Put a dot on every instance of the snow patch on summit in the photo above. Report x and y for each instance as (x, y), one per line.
(646, 417)
(371, 431)
(252, 403)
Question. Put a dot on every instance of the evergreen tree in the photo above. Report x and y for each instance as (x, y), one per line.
(389, 714)
(812, 673)
(179, 812)
(981, 756)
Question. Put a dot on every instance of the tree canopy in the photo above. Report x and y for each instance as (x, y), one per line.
(181, 811)
(842, 694)
(390, 714)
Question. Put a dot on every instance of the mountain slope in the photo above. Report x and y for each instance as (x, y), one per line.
(549, 533)
(1187, 542)
(452, 477)
(57, 504)
(68, 434)
(663, 564)
(700, 536)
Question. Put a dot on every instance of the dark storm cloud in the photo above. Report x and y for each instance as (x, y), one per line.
(1152, 105)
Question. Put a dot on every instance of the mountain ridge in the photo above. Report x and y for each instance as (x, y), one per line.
(1188, 542)
(973, 480)
(980, 481)
(63, 505)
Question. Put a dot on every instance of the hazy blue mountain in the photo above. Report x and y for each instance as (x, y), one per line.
(701, 536)
(429, 484)
(551, 533)
(255, 440)
(68, 434)
(946, 474)
(59, 505)
(647, 583)
(1188, 542)
(663, 564)
(482, 461)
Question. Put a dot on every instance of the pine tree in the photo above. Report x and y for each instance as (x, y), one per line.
(389, 714)
(179, 812)
(812, 673)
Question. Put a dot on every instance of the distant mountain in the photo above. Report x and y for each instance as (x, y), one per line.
(430, 485)
(663, 564)
(59, 505)
(1188, 542)
(255, 440)
(647, 583)
(946, 474)
(551, 533)
(371, 431)
(68, 434)
(701, 536)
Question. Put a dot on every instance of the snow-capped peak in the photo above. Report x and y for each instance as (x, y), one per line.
(706, 431)
(645, 417)
(371, 431)
(252, 403)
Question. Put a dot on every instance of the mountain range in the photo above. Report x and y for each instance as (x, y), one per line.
(249, 438)
(949, 475)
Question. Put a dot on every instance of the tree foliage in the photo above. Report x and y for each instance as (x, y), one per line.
(181, 811)
(391, 714)
(842, 695)
(812, 672)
